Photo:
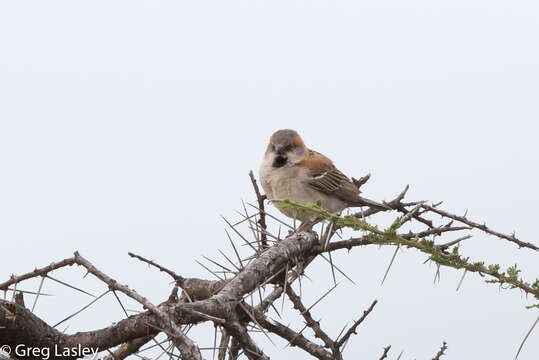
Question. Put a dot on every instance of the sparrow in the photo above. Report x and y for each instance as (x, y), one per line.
(291, 171)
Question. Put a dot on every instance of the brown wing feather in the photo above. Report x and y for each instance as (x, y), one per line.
(328, 179)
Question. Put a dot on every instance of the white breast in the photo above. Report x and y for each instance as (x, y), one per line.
(290, 182)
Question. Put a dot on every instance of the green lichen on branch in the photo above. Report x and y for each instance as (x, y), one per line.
(508, 279)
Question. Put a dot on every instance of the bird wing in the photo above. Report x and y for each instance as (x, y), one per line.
(326, 178)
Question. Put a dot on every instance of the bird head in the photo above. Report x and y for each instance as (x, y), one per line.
(285, 146)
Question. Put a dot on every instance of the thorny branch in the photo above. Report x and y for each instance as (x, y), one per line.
(262, 219)
(353, 328)
(442, 351)
(239, 304)
(384, 354)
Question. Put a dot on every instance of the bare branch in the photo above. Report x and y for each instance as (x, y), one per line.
(179, 279)
(274, 265)
(441, 352)
(314, 325)
(129, 348)
(37, 272)
(384, 354)
(186, 346)
(353, 328)
(464, 220)
(260, 198)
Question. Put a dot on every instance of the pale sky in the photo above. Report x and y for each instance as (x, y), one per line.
(132, 125)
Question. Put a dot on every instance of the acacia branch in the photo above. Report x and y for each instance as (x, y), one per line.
(441, 352)
(224, 302)
(187, 347)
(313, 324)
(483, 227)
(129, 348)
(262, 220)
(353, 328)
(37, 272)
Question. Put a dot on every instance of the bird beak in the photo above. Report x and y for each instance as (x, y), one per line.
(279, 149)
